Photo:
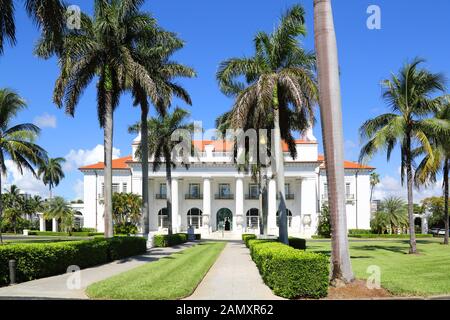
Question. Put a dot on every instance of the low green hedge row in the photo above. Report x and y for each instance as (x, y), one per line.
(165, 240)
(359, 231)
(64, 234)
(38, 260)
(296, 243)
(289, 272)
(389, 236)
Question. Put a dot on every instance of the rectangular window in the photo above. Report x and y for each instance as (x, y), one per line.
(163, 189)
(287, 188)
(194, 190)
(102, 194)
(124, 187)
(224, 189)
(325, 191)
(253, 191)
(347, 189)
(115, 188)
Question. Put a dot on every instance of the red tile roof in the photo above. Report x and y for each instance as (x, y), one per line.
(120, 163)
(347, 164)
(225, 145)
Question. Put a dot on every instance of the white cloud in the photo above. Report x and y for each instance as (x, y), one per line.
(26, 182)
(45, 121)
(78, 188)
(390, 186)
(82, 157)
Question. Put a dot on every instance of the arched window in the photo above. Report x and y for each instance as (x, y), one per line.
(253, 218)
(194, 218)
(289, 217)
(163, 218)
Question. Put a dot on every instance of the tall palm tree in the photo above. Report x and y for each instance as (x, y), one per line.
(374, 181)
(409, 95)
(430, 166)
(51, 172)
(160, 145)
(155, 56)
(104, 47)
(332, 132)
(278, 77)
(47, 14)
(392, 215)
(17, 142)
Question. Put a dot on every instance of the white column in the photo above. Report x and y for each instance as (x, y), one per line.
(54, 225)
(308, 206)
(206, 203)
(272, 205)
(41, 222)
(153, 216)
(175, 208)
(238, 222)
(296, 211)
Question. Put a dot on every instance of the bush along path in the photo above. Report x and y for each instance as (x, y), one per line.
(73, 285)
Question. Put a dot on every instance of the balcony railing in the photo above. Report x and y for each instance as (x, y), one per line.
(189, 196)
(161, 196)
(224, 196)
(252, 197)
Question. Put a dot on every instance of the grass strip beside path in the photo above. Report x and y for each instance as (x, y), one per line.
(425, 274)
(173, 277)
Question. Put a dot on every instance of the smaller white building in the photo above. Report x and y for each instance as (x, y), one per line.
(212, 195)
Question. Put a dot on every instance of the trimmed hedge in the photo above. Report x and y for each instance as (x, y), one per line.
(389, 236)
(246, 237)
(296, 243)
(359, 231)
(39, 260)
(289, 272)
(165, 240)
(64, 234)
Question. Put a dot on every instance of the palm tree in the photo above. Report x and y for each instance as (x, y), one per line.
(332, 132)
(51, 172)
(374, 181)
(104, 47)
(392, 215)
(47, 14)
(160, 144)
(430, 166)
(126, 211)
(279, 76)
(155, 56)
(409, 95)
(57, 208)
(17, 142)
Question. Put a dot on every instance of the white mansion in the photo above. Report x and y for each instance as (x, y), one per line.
(212, 195)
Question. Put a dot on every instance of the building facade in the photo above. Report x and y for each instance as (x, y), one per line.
(213, 196)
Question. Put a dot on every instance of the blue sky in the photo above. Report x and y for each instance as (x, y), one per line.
(214, 31)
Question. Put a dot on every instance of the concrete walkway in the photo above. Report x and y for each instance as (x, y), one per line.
(56, 287)
(233, 276)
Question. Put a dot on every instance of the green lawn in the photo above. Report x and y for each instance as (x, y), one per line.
(425, 274)
(173, 277)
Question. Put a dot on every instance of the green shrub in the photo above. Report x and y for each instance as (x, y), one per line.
(125, 228)
(165, 240)
(297, 243)
(247, 237)
(64, 234)
(289, 272)
(324, 225)
(390, 236)
(38, 260)
(359, 231)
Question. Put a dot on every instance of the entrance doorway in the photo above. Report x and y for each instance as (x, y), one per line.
(224, 219)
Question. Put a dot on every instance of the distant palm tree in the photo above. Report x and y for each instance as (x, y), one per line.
(439, 160)
(106, 47)
(374, 181)
(392, 215)
(155, 56)
(48, 14)
(161, 145)
(17, 142)
(57, 208)
(333, 138)
(51, 172)
(278, 77)
(409, 95)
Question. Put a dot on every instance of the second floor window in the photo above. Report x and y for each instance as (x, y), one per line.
(163, 189)
(287, 189)
(253, 191)
(224, 189)
(194, 190)
(124, 187)
(115, 188)
(325, 190)
(347, 189)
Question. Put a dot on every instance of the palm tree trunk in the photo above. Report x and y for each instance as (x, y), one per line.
(279, 169)
(446, 222)
(332, 132)
(108, 143)
(144, 162)
(1, 207)
(169, 191)
(265, 208)
(409, 177)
